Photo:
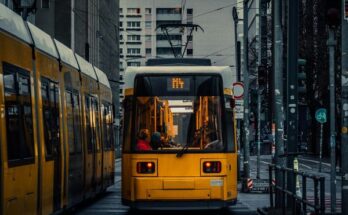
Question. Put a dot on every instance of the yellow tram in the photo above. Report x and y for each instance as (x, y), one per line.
(179, 148)
(56, 141)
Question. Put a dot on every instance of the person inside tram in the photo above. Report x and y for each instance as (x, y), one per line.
(143, 143)
(156, 140)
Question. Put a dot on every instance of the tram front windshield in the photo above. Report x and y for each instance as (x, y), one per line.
(176, 112)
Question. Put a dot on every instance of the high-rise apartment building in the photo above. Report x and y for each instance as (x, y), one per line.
(139, 39)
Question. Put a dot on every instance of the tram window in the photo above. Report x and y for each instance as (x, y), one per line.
(89, 130)
(70, 121)
(74, 122)
(50, 107)
(19, 119)
(128, 110)
(186, 112)
(77, 123)
(107, 127)
(96, 127)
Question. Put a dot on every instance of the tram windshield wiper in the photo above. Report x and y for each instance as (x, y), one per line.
(183, 150)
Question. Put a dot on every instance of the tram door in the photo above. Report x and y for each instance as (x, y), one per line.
(52, 152)
(90, 157)
(98, 149)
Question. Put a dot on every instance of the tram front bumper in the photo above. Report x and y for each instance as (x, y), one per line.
(186, 192)
(179, 205)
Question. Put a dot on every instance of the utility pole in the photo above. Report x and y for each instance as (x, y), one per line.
(292, 84)
(278, 91)
(331, 44)
(246, 90)
(262, 73)
(237, 63)
(344, 115)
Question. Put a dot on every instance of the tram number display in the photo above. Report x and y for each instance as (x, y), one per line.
(178, 84)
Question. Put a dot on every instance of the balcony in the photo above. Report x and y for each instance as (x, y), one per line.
(133, 29)
(165, 43)
(169, 17)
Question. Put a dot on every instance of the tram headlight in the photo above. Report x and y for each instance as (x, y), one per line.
(145, 167)
(212, 167)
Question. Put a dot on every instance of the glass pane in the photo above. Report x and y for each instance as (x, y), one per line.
(77, 124)
(9, 81)
(177, 111)
(70, 121)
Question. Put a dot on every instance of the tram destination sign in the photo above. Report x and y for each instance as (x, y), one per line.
(178, 84)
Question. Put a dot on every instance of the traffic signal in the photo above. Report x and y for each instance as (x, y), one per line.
(302, 85)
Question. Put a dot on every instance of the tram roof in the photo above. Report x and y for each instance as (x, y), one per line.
(226, 73)
(102, 78)
(13, 24)
(66, 55)
(85, 67)
(43, 41)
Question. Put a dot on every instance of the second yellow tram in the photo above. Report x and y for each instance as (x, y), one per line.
(179, 148)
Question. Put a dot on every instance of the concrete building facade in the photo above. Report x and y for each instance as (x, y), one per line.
(140, 41)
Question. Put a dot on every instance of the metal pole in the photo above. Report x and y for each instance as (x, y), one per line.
(278, 92)
(331, 44)
(344, 106)
(246, 90)
(321, 146)
(292, 84)
(258, 131)
(235, 19)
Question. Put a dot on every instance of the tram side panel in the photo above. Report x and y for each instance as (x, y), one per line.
(19, 154)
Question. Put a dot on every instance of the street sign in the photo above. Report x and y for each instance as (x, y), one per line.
(238, 90)
(239, 109)
(320, 115)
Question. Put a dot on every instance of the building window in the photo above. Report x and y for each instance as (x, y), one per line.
(190, 52)
(168, 10)
(148, 24)
(171, 37)
(121, 37)
(133, 11)
(189, 11)
(121, 91)
(147, 10)
(45, 3)
(168, 51)
(148, 51)
(121, 77)
(148, 38)
(121, 24)
(133, 51)
(133, 24)
(121, 52)
(189, 37)
(133, 37)
(168, 22)
(121, 10)
(133, 63)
